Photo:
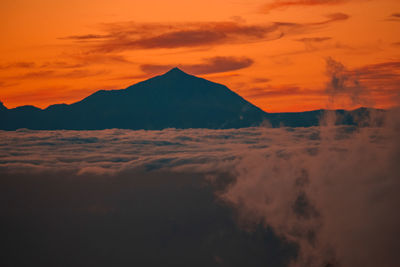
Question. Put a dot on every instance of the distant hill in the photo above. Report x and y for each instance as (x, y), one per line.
(173, 100)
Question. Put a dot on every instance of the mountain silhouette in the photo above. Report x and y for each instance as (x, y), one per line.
(172, 100)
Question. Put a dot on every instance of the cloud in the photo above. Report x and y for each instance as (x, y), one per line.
(306, 184)
(132, 36)
(261, 80)
(380, 74)
(342, 83)
(314, 39)
(280, 91)
(394, 17)
(84, 37)
(320, 198)
(20, 64)
(74, 74)
(293, 3)
(272, 92)
(311, 42)
(359, 84)
(210, 65)
(332, 18)
(184, 35)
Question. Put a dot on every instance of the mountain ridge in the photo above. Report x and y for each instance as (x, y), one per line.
(171, 100)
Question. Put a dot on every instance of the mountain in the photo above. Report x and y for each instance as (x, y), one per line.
(359, 117)
(172, 100)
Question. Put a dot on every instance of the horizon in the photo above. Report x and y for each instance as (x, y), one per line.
(279, 55)
(170, 71)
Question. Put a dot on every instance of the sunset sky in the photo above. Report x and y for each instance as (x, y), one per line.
(278, 54)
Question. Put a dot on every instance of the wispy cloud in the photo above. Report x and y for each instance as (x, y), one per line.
(269, 91)
(20, 64)
(358, 85)
(278, 91)
(131, 35)
(314, 39)
(394, 17)
(292, 3)
(74, 74)
(311, 43)
(361, 85)
(84, 37)
(210, 65)
(381, 78)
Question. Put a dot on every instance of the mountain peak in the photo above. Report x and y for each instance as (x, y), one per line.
(176, 71)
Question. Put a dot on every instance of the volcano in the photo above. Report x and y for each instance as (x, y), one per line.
(172, 100)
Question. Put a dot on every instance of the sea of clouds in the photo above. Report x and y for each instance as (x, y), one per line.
(332, 190)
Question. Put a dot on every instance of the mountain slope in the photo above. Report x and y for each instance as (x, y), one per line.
(172, 100)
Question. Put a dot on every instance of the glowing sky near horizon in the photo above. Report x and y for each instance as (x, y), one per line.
(271, 52)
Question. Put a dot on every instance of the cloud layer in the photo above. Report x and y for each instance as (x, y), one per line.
(328, 189)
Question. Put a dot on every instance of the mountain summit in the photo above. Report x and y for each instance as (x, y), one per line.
(172, 100)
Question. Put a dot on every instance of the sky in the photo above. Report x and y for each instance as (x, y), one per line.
(281, 55)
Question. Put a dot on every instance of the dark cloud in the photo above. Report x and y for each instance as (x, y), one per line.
(21, 64)
(60, 65)
(130, 35)
(84, 37)
(210, 65)
(382, 78)
(74, 74)
(261, 80)
(272, 92)
(290, 3)
(180, 39)
(279, 91)
(311, 43)
(332, 18)
(314, 39)
(185, 35)
(394, 17)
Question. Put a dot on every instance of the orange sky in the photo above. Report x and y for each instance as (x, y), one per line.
(274, 53)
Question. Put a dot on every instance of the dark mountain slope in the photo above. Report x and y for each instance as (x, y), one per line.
(175, 100)
(172, 100)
